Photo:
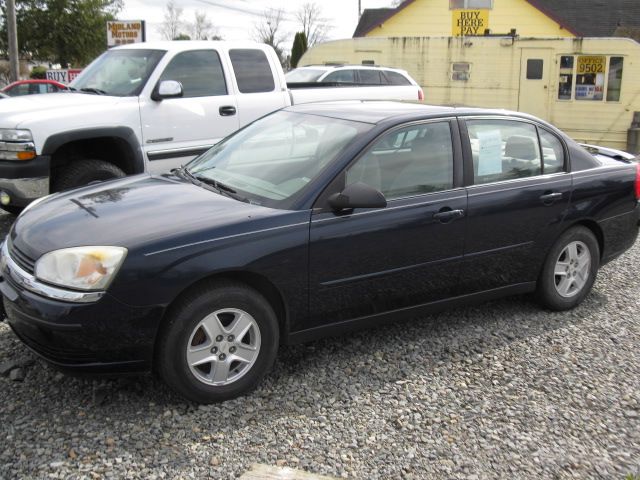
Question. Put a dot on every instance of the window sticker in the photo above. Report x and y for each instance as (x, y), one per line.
(490, 152)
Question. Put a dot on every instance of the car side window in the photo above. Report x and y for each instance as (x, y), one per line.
(552, 152)
(340, 76)
(394, 78)
(369, 77)
(199, 71)
(252, 70)
(503, 150)
(407, 162)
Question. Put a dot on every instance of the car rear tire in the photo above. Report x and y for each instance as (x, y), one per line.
(83, 172)
(218, 342)
(569, 270)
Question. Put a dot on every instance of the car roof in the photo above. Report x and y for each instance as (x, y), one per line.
(379, 111)
(182, 45)
(328, 68)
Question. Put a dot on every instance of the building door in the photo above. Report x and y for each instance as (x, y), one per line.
(535, 74)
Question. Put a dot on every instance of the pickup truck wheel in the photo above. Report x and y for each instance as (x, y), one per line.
(570, 269)
(218, 342)
(84, 171)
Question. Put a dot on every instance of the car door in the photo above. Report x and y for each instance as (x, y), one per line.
(365, 262)
(174, 130)
(519, 193)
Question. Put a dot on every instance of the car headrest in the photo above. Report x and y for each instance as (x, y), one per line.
(523, 148)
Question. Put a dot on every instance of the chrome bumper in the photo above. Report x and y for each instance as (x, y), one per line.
(25, 190)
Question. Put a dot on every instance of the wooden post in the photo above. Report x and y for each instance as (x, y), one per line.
(12, 29)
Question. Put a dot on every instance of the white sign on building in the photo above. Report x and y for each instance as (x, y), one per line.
(122, 32)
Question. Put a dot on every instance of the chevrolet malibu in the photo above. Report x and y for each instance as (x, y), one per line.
(314, 220)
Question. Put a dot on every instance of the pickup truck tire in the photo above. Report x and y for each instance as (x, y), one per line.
(82, 172)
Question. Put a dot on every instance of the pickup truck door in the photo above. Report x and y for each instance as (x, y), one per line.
(177, 129)
(259, 82)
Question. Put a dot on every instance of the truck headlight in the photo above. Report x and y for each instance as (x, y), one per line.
(16, 144)
(82, 268)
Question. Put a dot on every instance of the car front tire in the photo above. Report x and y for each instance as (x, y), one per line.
(218, 342)
(569, 270)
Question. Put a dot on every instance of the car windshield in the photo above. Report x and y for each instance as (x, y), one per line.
(275, 157)
(120, 73)
(302, 75)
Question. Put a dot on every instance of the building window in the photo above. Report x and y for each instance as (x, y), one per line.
(470, 4)
(615, 79)
(585, 78)
(565, 84)
(535, 68)
(460, 71)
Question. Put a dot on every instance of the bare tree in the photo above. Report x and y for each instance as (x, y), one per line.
(268, 31)
(314, 25)
(202, 28)
(170, 28)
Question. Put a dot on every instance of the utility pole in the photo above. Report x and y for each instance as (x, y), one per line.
(14, 65)
(359, 8)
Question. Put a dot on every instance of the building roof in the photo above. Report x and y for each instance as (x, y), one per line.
(584, 18)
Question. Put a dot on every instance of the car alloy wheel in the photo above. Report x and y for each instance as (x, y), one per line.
(223, 346)
(572, 269)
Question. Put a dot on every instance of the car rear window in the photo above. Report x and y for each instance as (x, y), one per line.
(394, 78)
(252, 70)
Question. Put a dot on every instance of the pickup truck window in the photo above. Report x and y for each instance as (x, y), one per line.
(199, 71)
(120, 73)
(252, 69)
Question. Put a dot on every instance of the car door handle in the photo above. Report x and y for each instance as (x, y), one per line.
(550, 198)
(227, 110)
(444, 216)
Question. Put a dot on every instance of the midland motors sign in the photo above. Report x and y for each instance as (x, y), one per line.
(122, 32)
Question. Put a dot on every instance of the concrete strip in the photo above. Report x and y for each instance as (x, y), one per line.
(267, 472)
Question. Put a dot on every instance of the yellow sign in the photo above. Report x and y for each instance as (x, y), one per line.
(470, 22)
(591, 64)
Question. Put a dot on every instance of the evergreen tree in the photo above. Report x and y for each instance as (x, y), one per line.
(298, 49)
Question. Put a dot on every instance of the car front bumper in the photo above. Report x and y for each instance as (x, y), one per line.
(24, 181)
(106, 336)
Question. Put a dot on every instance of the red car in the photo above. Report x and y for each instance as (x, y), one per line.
(29, 87)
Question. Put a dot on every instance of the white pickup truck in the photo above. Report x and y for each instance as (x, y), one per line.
(146, 108)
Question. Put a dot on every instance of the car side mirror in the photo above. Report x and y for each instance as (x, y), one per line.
(167, 89)
(357, 195)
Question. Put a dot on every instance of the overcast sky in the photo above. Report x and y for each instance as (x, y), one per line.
(235, 19)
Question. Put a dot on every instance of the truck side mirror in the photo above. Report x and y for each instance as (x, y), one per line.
(167, 89)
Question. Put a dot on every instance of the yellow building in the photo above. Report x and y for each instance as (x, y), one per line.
(529, 18)
(587, 87)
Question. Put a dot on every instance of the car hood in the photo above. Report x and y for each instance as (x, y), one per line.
(16, 110)
(142, 213)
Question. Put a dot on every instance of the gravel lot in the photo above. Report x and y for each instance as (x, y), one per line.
(501, 390)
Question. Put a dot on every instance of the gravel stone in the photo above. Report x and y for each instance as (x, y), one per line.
(499, 390)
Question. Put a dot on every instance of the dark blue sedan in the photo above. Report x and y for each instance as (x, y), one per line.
(311, 221)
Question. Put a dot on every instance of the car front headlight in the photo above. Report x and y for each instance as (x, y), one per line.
(16, 144)
(82, 268)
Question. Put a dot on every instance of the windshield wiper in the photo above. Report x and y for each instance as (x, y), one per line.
(199, 180)
(97, 91)
(215, 183)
